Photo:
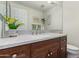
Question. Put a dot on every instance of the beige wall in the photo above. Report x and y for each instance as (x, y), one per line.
(71, 21)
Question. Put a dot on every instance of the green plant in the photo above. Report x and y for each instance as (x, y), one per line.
(12, 22)
(43, 21)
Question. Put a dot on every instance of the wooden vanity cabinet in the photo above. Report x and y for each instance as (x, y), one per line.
(52, 48)
(45, 49)
(16, 52)
(63, 47)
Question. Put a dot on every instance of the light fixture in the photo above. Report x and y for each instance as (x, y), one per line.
(49, 1)
(52, 2)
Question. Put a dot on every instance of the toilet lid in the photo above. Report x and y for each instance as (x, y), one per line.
(72, 47)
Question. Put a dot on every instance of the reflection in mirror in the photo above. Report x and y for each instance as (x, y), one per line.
(45, 15)
(53, 17)
(2, 14)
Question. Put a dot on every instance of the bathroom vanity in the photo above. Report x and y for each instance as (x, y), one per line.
(34, 46)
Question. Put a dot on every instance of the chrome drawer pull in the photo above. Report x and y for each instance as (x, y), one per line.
(51, 53)
(14, 55)
(61, 48)
(48, 54)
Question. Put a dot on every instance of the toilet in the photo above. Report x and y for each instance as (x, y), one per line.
(73, 51)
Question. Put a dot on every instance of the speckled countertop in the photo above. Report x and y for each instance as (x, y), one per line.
(26, 39)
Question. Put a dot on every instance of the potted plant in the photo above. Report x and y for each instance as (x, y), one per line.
(13, 24)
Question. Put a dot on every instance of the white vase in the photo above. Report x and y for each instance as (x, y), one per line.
(12, 33)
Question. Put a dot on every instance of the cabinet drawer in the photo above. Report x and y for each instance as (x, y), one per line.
(51, 42)
(17, 52)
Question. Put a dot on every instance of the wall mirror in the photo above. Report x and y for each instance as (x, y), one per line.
(35, 15)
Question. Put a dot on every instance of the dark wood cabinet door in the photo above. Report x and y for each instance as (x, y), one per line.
(22, 51)
(63, 47)
(43, 49)
(5, 53)
(40, 49)
(54, 52)
(16, 52)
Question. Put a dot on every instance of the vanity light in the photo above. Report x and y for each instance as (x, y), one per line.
(52, 2)
(49, 1)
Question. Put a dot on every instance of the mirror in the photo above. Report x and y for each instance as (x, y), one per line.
(43, 16)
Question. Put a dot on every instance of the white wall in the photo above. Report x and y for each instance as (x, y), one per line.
(3, 12)
(71, 21)
(55, 17)
(25, 14)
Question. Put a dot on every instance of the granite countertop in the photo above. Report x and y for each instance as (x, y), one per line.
(26, 39)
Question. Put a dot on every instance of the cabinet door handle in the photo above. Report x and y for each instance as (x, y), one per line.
(14, 55)
(48, 55)
(51, 53)
(61, 48)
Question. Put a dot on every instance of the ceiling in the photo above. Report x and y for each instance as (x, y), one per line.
(40, 5)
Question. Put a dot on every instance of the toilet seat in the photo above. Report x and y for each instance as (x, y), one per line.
(71, 47)
(72, 51)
